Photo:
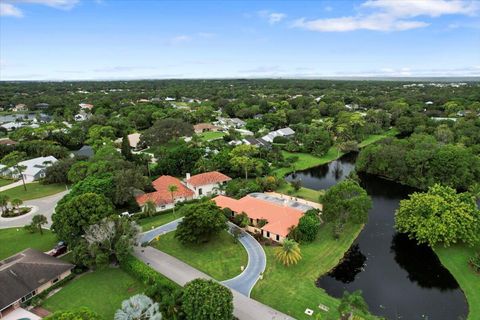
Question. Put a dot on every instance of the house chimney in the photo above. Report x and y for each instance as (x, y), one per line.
(188, 176)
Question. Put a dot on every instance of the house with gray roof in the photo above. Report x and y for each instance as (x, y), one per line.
(26, 274)
(34, 169)
(284, 132)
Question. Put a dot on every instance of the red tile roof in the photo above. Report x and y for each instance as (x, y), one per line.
(162, 195)
(208, 178)
(280, 218)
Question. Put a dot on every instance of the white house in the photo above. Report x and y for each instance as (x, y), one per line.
(206, 184)
(284, 132)
(34, 168)
(9, 126)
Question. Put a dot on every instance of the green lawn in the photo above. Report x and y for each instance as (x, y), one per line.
(156, 221)
(304, 193)
(34, 190)
(211, 135)
(13, 241)
(292, 289)
(4, 182)
(221, 258)
(101, 291)
(455, 259)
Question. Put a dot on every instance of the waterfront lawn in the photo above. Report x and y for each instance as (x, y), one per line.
(149, 223)
(102, 291)
(34, 190)
(14, 240)
(304, 193)
(292, 289)
(211, 135)
(221, 257)
(455, 259)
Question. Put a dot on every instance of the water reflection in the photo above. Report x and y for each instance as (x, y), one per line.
(421, 263)
(352, 263)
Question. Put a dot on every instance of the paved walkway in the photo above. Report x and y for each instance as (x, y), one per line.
(45, 206)
(11, 185)
(181, 273)
(257, 260)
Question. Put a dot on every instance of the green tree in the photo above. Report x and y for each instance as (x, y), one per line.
(164, 130)
(16, 203)
(172, 189)
(206, 300)
(72, 217)
(138, 307)
(201, 222)
(82, 313)
(440, 215)
(289, 253)
(126, 149)
(12, 160)
(308, 226)
(38, 221)
(4, 199)
(149, 208)
(352, 303)
(346, 202)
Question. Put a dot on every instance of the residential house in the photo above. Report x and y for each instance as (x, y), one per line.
(268, 215)
(193, 187)
(41, 106)
(27, 274)
(205, 127)
(10, 126)
(133, 140)
(235, 123)
(257, 142)
(82, 116)
(85, 152)
(86, 106)
(34, 168)
(284, 132)
(169, 99)
(206, 184)
(20, 107)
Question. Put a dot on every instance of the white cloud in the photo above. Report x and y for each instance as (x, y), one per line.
(180, 39)
(271, 17)
(388, 15)
(9, 10)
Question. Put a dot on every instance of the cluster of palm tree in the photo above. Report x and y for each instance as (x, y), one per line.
(289, 253)
(5, 201)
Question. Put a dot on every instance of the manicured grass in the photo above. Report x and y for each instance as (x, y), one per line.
(13, 241)
(455, 259)
(156, 221)
(211, 135)
(221, 258)
(304, 193)
(34, 190)
(102, 291)
(377, 137)
(4, 182)
(292, 289)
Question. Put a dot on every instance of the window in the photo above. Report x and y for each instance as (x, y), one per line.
(268, 234)
(251, 221)
(277, 237)
(55, 280)
(200, 191)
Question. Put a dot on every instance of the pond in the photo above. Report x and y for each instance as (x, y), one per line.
(399, 279)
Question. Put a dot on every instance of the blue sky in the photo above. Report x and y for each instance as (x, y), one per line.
(89, 39)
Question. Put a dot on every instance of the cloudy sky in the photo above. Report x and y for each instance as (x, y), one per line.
(111, 39)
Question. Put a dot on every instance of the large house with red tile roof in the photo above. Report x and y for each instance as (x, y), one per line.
(193, 187)
(271, 216)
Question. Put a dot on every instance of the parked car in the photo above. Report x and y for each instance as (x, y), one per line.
(126, 214)
(59, 249)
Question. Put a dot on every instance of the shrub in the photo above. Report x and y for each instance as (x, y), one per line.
(241, 220)
(206, 299)
(144, 273)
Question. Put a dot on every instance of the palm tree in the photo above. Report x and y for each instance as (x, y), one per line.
(149, 208)
(289, 253)
(3, 202)
(172, 189)
(16, 203)
(475, 190)
(37, 221)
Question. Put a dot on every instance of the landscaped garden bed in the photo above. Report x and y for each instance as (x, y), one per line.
(15, 212)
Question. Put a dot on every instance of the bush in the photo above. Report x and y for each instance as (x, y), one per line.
(144, 273)
(308, 227)
(241, 220)
(280, 140)
(207, 299)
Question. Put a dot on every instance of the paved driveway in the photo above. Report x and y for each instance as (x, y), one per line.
(152, 234)
(180, 272)
(45, 206)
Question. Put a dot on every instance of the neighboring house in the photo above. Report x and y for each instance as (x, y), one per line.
(205, 127)
(86, 106)
(84, 152)
(169, 99)
(41, 106)
(270, 216)
(162, 197)
(257, 142)
(193, 187)
(10, 126)
(19, 108)
(82, 116)
(231, 123)
(133, 140)
(284, 132)
(206, 184)
(7, 142)
(34, 168)
(27, 274)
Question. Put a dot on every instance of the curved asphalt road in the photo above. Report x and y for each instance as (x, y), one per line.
(257, 260)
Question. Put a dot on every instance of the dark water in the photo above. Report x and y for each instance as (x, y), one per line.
(399, 279)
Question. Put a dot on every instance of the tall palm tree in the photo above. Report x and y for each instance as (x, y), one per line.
(4, 202)
(172, 189)
(16, 203)
(289, 253)
(149, 208)
(37, 221)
